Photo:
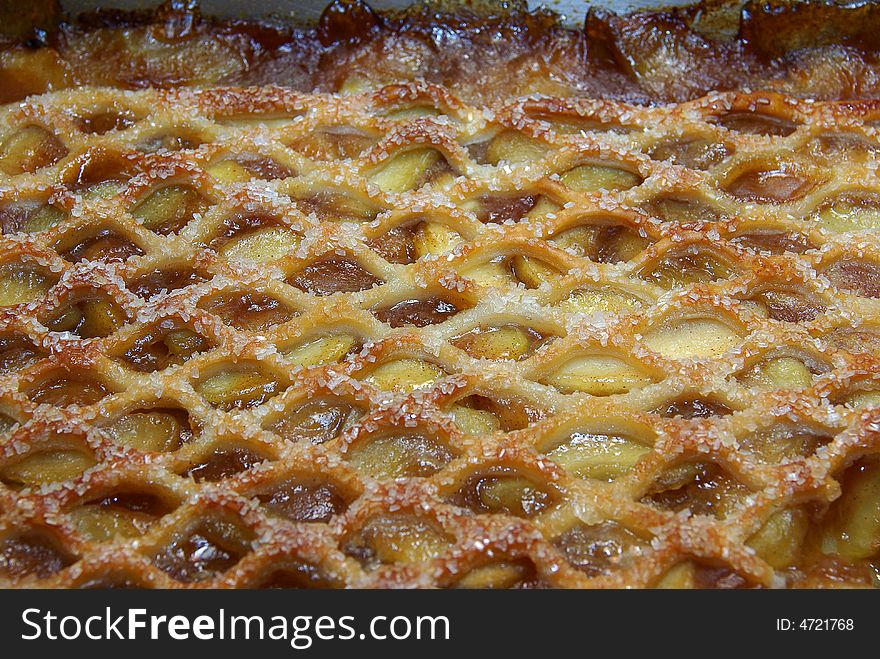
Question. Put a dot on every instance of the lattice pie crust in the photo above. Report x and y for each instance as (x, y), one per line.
(257, 337)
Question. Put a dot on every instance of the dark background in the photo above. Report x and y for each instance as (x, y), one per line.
(483, 623)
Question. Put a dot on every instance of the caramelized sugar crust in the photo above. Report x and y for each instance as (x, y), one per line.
(809, 49)
(400, 338)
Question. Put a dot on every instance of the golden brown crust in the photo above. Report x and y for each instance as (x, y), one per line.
(679, 320)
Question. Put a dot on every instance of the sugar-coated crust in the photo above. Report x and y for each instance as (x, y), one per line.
(831, 146)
